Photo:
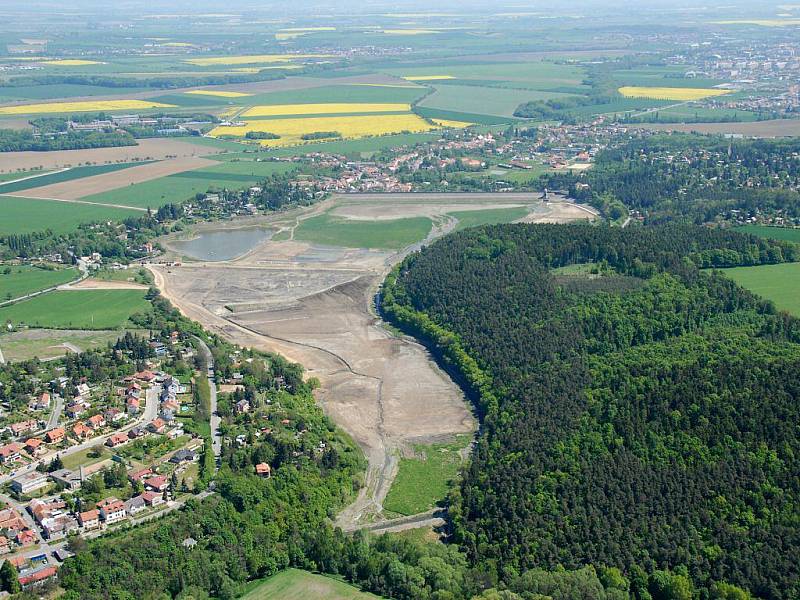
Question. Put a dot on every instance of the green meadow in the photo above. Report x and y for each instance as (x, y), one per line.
(77, 309)
(787, 234)
(25, 279)
(61, 176)
(475, 218)
(350, 233)
(779, 283)
(293, 584)
(423, 481)
(26, 215)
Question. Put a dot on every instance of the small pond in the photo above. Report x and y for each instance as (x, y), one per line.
(222, 244)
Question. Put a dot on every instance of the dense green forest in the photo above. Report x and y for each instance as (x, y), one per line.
(692, 177)
(18, 140)
(637, 413)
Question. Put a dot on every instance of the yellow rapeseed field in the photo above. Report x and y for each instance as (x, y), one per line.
(333, 108)
(427, 77)
(71, 62)
(667, 93)
(220, 93)
(88, 106)
(453, 124)
(291, 130)
(252, 59)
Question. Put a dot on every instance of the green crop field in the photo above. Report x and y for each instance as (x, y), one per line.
(483, 100)
(776, 233)
(24, 279)
(84, 309)
(384, 235)
(452, 115)
(474, 218)
(293, 584)
(25, 215)
(60, 176)
(423, 481)
(534, 75)
(182, 186)
(779, 283)
(340, 93)
(50, 343)
(20, 174)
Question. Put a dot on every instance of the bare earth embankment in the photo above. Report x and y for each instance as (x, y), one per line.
(313, 305)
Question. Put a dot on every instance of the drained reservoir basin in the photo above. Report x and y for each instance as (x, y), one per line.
(223, 244)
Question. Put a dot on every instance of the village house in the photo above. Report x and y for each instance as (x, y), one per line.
(146, 376)
(41, 402)
(132, 406)
(26, 537)
(81, 431)
(117, 440)
(10, 453)
(24, 427)
(242, 406)
(34, 447)
(96, 422)
(4, 545)
(55, 436)
(75, 410)
(157, 425)
(159, 483)
(112, 510)
(183, 455)
(89, 519)
(139, 475)
(11, 521)
(82, 391)
(114, 415)
(263, 470)
(137, 432)
(152, 499)
(135, 505)
(38, 578)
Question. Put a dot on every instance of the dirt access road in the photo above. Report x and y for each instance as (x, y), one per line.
(313, 304)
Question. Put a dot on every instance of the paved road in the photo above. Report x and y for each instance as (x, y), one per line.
(52, 422)
(216, 436)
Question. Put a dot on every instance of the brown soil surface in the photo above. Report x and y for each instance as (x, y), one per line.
(97, 184)
(148, 149)
(99, 284)
(314, 305)
(765, 129)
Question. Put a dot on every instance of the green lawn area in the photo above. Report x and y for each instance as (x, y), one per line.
(73, 461)
(483, 100)
(25, 279)
(84, 309)
(293, 584)
(787, 234)
(474, 218)
(389, 235)
(779, 283)
(25, 215)
(423, 481)
(49, 343)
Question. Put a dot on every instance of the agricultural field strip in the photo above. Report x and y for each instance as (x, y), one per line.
(27, 215)
(97, 184)
(671, 93)
(324, 108)
(63, 175)
(85, 106)
(65, 201)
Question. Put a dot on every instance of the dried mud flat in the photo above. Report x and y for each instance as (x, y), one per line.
(313, 304)
(148, 149)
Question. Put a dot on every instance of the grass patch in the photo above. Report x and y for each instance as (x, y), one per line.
(779, 283)
(26, 215)
(49, 343)
(85, 309)
(293, 584)
(73, 461)
(787, 234)
(454, 115)
(25, 279)
(475, 218)
(388, 235)
(483, 100)
(424, 480)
